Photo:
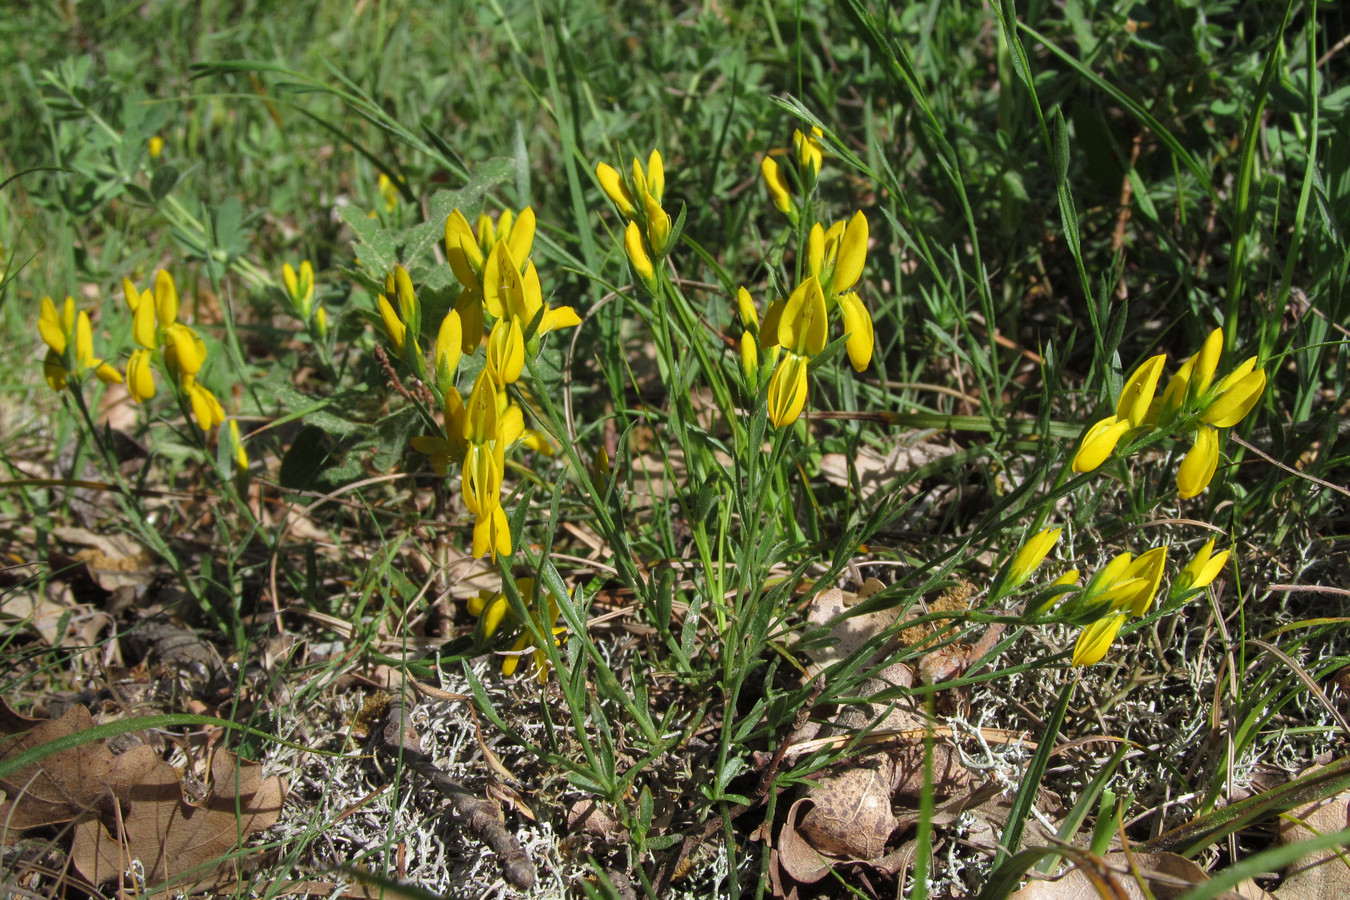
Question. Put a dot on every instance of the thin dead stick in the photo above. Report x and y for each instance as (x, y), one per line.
(1292, 471)
(482, 817)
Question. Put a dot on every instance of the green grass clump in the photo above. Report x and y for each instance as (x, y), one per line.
(564, 362)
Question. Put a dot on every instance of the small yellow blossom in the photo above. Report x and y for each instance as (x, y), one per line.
(1235, 396)
(299, 287)
(638, 257)
(1031, 555)
(388, 192)
(1098, 443)
(156, 146)
(777, 185)
(810, 155)
(1202, 569)
(787, 390)
(1137, 395)
(1096, 639)
(1199, 464)
(240, 454)
(70, 346)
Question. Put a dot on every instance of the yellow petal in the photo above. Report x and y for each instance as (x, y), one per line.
(1237, 397)
(562, 317)
(777, 185)
(461, 250)
(407, 299)
(521, 240)
(50, 327)
(1198, 466)
(449, 347)
(140, 376)
(1098, 443)
(656, 176)
(746, 306)
(240, 454)
(500, 280)
(1032, 554)
(133, 296)
(166, 298)
(802, 327)
(787, 391)
(107, 374)
(1207, 360)
(395, 329)
(54, 371)
(611, 182)
(84, 343)
(143, 325)
(183, 350)
(1139, 389)
(1096, 640)
(1148, 567)
(637, 255)
(470, 309)
(658, 226)
(858, 324)
(750, 358)
(852, 254)
(815, 249)
(768, 332)
(506, 351)
(480, 413)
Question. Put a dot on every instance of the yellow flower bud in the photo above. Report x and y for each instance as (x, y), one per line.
(638, 258)
(779, 191)
(787, 391)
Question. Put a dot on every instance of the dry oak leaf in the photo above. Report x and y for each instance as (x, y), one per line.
(59, 788)
(1317, 876)
(177, 843)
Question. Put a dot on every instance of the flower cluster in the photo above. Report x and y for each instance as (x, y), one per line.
(1122, 589)
(70, 346)
(492, 609)
(159, 335)
(809, 155)
(799, 325)
(501, 293)
(300, 293)
(1191, 402)
(647, 238)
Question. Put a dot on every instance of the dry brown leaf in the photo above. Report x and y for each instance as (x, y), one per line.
(59, 788)
(1168, 875)
(846, 634)
(175, 842)
(1317, 876)
(112, 560)
(795, 855)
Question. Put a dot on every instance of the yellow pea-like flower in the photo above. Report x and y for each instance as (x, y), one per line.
(787, 390)
(1098, 443)
(1031, 555)
(1236, 395)
(779, 191)
(1199, 464)
(1140, 388)
(1096, 639)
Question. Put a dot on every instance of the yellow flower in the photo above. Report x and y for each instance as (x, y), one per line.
(70, 346)
(156, 146)
(1127, 583)
(1202, 569)
(184, 351)
(836, 258)
(1137, 395)
(777, 185)
(467, 250)
(492, 534)
(612, 183)
(1096, 639)
(299, 287)
(1193, 379)
(801, 322)
(1235, 396)
(492, 609)
(509, 291)
(443, 450)
(321, 323)
(1032, 554)
(858, 325)
(505, 352)
(639, 201)
(1098, 443)
(449, 348)
(140, 376)
(787, 390)
(1198, 466)
(388, 192)
(750, 358)
(206, 409)
(638, 257)
(393, 327)
(810, 155)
